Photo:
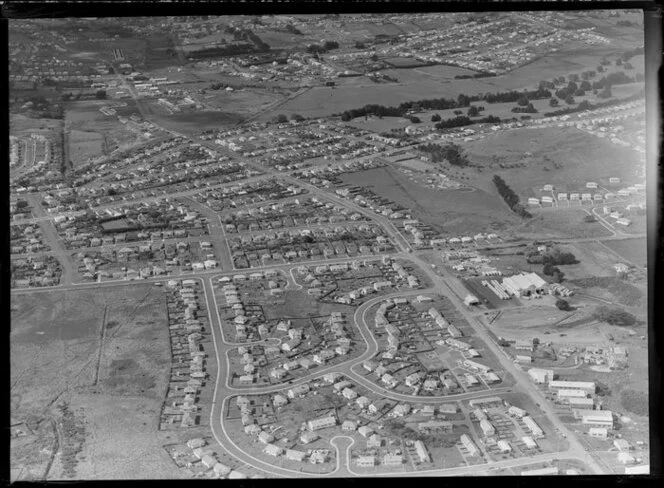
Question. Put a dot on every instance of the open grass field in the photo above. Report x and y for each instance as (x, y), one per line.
(633, 250)
(92, 134)
(84, 145)
(450, 211)
(563, 157)
(104, 357)
(556, 223)
(594, 260)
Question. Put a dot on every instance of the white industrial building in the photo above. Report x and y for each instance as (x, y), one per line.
(532, 426)
(541, 375)
(588, 386)
(524, 284)
(470, 446)
(601, 418)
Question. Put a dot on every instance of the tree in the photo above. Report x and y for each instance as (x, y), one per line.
(297, 117)
(281, 119)
(579, 93)
(553, 102)
(329, 45)
(600, 69)
(606, 92)
(359, 45)
(558, 276)
(473, 111)
(585, 85)
(614, 316)
(435, 118)
(415, 120)
(619, 62)
(572, 87)
(563, 305)
(573, 77)
(569, 100)
(589, 219)
(458, 112)
(522, 102)
(100, 95)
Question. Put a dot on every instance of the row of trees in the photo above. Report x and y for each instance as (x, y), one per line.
(462, 120)
(322, 48)
(511, 198)
(462, 101)
(450, 153)
(586, 105)
(476, 75)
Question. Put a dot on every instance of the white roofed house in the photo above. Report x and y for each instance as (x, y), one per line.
(322, 423)
(273, 450)
(295, 455)
(365, 431)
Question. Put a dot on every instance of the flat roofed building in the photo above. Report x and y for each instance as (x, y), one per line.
(422, 453)
(470, 446)
(529, 442)
(587, 386)
(541, 375)
(566, 394)
(599, 432)
(583, 403)
(602, 418)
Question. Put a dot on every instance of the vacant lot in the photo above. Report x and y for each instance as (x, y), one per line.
(96, 364)
(450, 211)
(84, 145)
(633, 250)
(594, 260)
(562, 222)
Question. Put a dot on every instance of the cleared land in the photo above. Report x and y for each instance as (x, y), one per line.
(633, 250)
(95, 364)
(450, 211)
(559, 223)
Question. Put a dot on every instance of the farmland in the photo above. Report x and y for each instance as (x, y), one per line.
(105, 373)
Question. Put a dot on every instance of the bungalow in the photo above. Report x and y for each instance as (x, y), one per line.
(389, 380)
(208, 461)
(374, 441)
(298, 390)
(363, 402)
(291, 365)
(322, 423)
(278, 373)
(295, 455)
(349, 425)
(401, 410)
(265, 437)
(332, 377)
(367, 461)
(349, 394)
(273, 450)
(392, 460)
(369, 365)
(365, 431)
(221, 469)
(308, 437)
(306, 363)
(279, 400)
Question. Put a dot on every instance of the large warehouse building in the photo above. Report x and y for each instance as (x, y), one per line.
(524, 285)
